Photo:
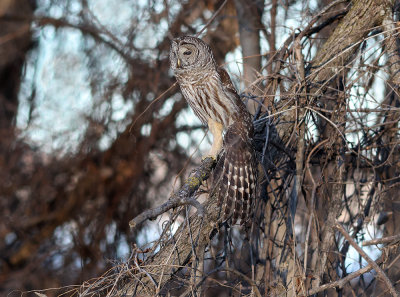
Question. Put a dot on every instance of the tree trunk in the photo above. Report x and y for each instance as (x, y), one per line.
(249, 17)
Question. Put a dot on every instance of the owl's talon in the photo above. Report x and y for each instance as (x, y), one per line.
(209, 156)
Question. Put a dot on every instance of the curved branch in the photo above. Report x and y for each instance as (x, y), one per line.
(183, 196)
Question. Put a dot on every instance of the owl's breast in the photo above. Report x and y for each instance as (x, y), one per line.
(209, 101)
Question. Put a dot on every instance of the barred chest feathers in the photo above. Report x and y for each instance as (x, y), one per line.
(206, 96)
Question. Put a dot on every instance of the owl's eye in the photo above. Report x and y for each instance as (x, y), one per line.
(187, 53)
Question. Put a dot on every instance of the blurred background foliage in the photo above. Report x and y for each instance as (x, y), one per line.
(80, 156)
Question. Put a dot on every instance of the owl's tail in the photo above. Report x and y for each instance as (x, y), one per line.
(235, 177)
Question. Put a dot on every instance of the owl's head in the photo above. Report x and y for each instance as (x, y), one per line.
(190, 53)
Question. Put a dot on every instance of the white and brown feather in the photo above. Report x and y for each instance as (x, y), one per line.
(211, 94)
(236, 176)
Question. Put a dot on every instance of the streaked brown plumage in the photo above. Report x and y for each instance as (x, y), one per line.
(212, 96)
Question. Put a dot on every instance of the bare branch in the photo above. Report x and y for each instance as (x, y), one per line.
(183, 196)
(341, 282)
(387, 240)
(368, 259)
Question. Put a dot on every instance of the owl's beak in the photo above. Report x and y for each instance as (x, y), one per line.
(178, 63)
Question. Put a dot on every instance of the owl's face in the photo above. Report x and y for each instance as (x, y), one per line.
(190, 53)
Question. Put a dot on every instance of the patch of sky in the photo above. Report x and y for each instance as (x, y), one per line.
(123, 249)
(115, 16)
(54, 9)
(308, 51)
(58, 71)
(63, 234)
(152, 231)
(60, 79)
(184, 140)
(197, 25)
(101, 110)
(361, 98)
(284, 30)
(153, 26)
(9, 238)
(120, 107)
(24, 107)
(110, 231)
(60, 9)
(234, 66)
(312, 130)
(105, 142)
(145, 130)
(167, 107)
(59, 68)
(187, 118)
(196, 141)
(150, 35)
(109, 67)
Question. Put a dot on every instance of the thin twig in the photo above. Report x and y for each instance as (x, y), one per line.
(341, 282)
(389, 239)
(212, 18)
(363, 254)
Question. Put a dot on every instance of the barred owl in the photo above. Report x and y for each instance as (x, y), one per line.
(210, 93)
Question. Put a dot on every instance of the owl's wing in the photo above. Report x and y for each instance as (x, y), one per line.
(230, 90)
(235, 176)
(226, 81)
(236, 169)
